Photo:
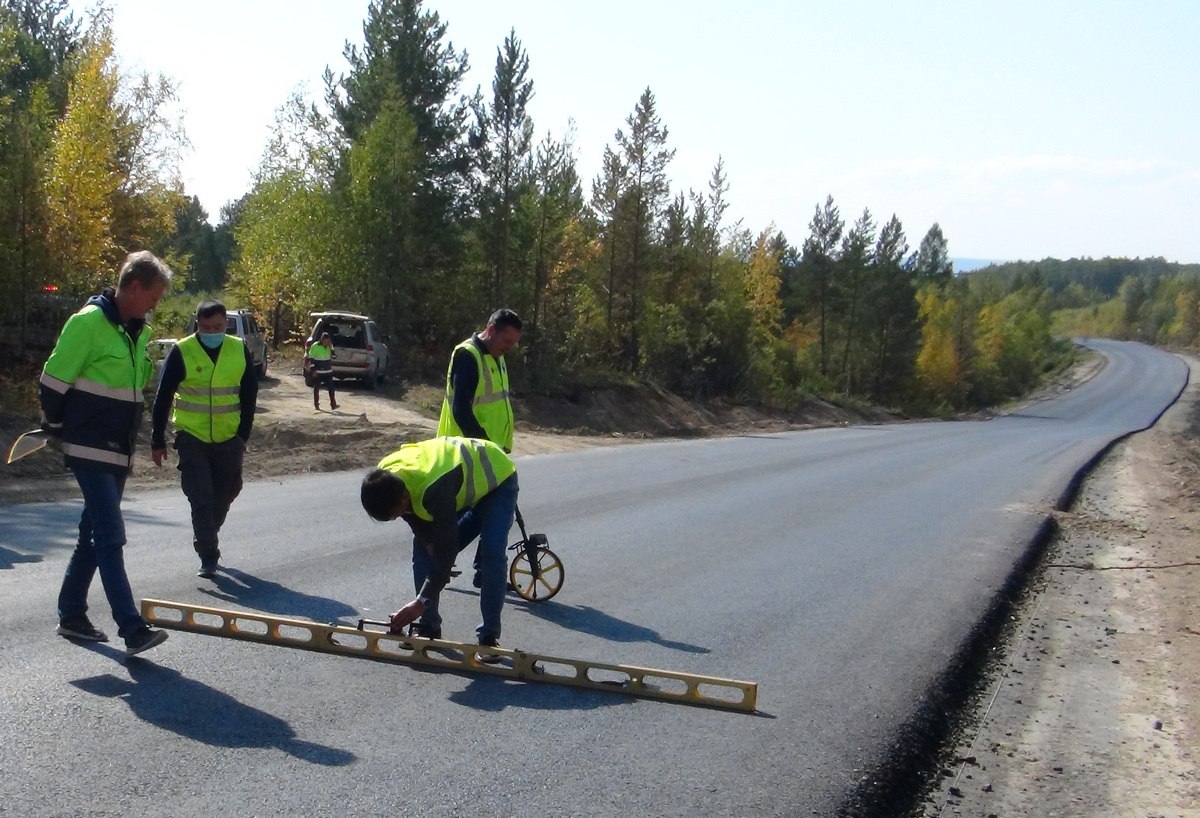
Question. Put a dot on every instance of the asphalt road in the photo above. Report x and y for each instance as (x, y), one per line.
(841, 569)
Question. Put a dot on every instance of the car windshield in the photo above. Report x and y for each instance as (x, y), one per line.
(230, 325)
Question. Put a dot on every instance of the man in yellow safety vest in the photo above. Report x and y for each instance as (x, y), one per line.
(210, 378)
(449, 490)
(477, 402)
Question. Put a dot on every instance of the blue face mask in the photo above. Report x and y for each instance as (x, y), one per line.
(212, 340)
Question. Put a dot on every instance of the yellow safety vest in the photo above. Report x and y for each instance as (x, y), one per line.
(207, 404)
(490, 403)
(485, 466)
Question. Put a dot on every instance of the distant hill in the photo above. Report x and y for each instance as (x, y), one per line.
(966, 265)
(1103, 275)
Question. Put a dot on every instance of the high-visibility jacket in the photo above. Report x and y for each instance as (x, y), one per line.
(485, 466)
(490, 402)
(321, 357)
(91, 386)
(208, 400)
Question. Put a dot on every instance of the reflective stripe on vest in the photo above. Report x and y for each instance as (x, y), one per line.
(485, 466)
(208, 399)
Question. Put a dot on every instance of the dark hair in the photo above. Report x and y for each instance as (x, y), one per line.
(381, 492)
(144, 268)
(504, 318)
(208, 309)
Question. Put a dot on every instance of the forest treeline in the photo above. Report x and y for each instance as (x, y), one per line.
(402, 195)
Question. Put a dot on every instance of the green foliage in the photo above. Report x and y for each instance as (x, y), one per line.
(192, 248)
(427, 209)
(629, 203)
(1099, 279)
(83, 178)
(292, 254)
(87, 161)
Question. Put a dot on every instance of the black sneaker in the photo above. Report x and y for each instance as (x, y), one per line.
(142, 639)
(424, 631)
(208, 570)
(80, 627)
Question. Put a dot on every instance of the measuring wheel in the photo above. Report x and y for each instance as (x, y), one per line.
(536, 583)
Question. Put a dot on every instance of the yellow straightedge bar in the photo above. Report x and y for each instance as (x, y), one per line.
(664, 685)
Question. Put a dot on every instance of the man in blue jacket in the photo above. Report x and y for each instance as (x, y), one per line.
(91, 396)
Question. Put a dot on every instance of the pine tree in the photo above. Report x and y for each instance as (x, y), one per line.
(404, 77)
(644, 158)
(817, 264)
(505, 157)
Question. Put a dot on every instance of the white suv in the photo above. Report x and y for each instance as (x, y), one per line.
(359, 346)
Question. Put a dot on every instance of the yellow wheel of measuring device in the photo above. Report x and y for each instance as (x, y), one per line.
(536, 583)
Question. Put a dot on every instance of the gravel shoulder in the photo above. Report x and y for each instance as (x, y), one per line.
(1094, 708)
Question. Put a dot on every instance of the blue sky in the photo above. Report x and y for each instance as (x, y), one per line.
(1025, 129)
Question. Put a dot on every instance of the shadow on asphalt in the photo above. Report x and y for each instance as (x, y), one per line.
(593, 621)
(167, 699)
(233, 585)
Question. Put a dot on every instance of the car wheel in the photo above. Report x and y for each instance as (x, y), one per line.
(371, 380)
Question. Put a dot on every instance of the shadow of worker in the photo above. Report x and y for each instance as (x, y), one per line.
(169, 700)
(273, 598)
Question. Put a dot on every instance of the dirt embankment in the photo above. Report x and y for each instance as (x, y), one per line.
(291, 437)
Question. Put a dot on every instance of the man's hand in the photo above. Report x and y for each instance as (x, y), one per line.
(406, 616)
(159, 456)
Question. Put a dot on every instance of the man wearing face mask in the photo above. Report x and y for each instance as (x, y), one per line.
(210, 378)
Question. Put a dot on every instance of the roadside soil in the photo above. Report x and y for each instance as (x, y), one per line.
(1094, 704)
(291, 437)
(1093, 708)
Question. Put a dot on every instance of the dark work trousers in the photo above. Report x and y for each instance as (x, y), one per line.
(324, 381)
(211, 477)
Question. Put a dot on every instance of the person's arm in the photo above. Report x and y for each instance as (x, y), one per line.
(464, 378)
(247, 398)
(173, 372)
(440, 502)
(70, 355)
(442, 542)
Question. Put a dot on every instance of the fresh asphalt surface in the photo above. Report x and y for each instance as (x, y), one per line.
(838, 568)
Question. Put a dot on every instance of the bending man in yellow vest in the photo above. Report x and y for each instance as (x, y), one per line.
(210, 378)
(449, 490)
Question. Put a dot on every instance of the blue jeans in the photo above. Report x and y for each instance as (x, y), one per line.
(100, 548)
(489, 520)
